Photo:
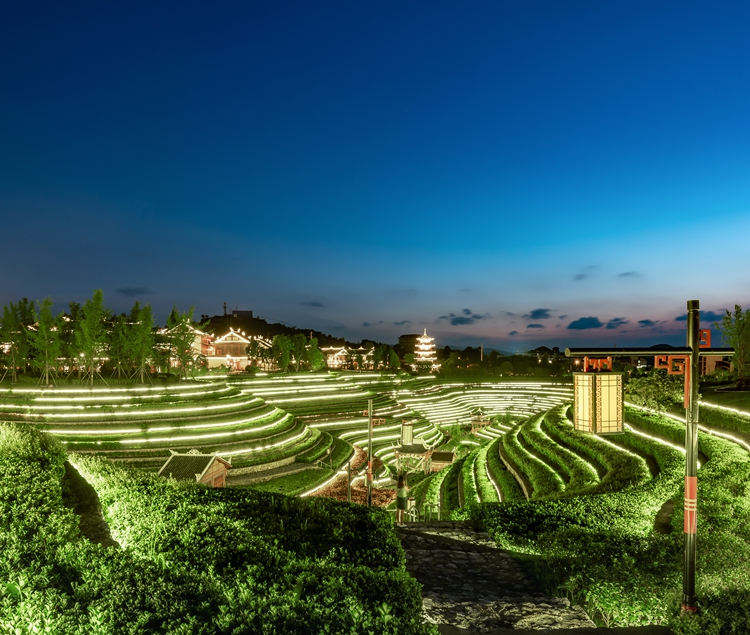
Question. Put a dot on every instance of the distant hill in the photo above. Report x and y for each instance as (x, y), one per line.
(251, 325)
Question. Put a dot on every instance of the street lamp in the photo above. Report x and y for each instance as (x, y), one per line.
(679, 361)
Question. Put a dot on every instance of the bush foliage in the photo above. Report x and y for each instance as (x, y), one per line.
(192, 559)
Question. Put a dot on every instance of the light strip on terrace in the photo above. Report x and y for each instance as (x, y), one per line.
(702, 428)
(109, 390)
(330, 480)
(213, 435)
(265, 447)
(657, 440)
(474, 479)
(130, 413)
(199, 426)
(110, 397)
(490, 477)
(318, 397)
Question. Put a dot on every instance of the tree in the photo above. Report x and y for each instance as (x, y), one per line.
(45, 340)
(299, 348)
(91, 332)
(315, 356)
(394, 363)
(181, 335)
(282, 351)
(656, 390)
(252, 350)
(506, 367)
(14, 336)
(449, 367)
(735, 332)
(68, 349)
(141, 338)
(118, 343)
(410, 359)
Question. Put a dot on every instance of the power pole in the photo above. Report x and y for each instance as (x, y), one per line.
(691, 457)
(369, 452)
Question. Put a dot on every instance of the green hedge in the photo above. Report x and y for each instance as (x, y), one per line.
(509, 487)
(622, 468)
(468, 477)
(601, 549)
(544, 480)
(192, 559)
(487, 491)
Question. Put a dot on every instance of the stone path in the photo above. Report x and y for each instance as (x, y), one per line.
(471, 584)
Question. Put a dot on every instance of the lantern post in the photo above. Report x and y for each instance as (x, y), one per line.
(369, 452)
(691, 457)
(678, 361)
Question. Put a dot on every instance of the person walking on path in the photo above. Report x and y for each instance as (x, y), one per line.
(402, 499)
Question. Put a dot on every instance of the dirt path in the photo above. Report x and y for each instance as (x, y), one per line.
(79, 496)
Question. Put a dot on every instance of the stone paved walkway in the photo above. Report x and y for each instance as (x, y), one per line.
(471, 584)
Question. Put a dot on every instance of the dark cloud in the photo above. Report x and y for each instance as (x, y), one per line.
(535, 326)
(562, 317)
(585, 323)
(538, 314)
(646, 323)
(456, 321)
(466, 318)
(706, 316)
(314, 303)
(513, 333)
(509, 314)
(365, 324)
(402, 323)
(131, 291)
(616, 322)
(579, 276)
(628, 274)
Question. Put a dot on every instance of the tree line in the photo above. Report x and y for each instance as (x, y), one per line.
(300, 353)
(88, 337)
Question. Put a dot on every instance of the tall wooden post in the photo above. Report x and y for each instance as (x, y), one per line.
(369, 452)
(691, 457)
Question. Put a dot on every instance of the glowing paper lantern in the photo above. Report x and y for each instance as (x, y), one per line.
(597, 402)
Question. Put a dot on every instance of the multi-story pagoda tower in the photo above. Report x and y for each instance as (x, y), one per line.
(424, 352)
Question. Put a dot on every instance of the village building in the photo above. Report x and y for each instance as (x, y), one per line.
(231, 350)
(208, 469)
(344, 357)
(439, 460)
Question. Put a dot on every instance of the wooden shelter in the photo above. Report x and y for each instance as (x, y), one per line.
(415, 457)
(209, 469)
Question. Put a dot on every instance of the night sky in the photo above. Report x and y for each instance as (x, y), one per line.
(512, 173)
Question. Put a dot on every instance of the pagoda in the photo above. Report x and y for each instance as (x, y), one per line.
(424, 352)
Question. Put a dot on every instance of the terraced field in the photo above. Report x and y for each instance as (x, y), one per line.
(269, 422)
(542, 457)
(140, 425)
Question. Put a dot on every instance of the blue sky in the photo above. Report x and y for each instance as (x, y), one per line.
(508, 173)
